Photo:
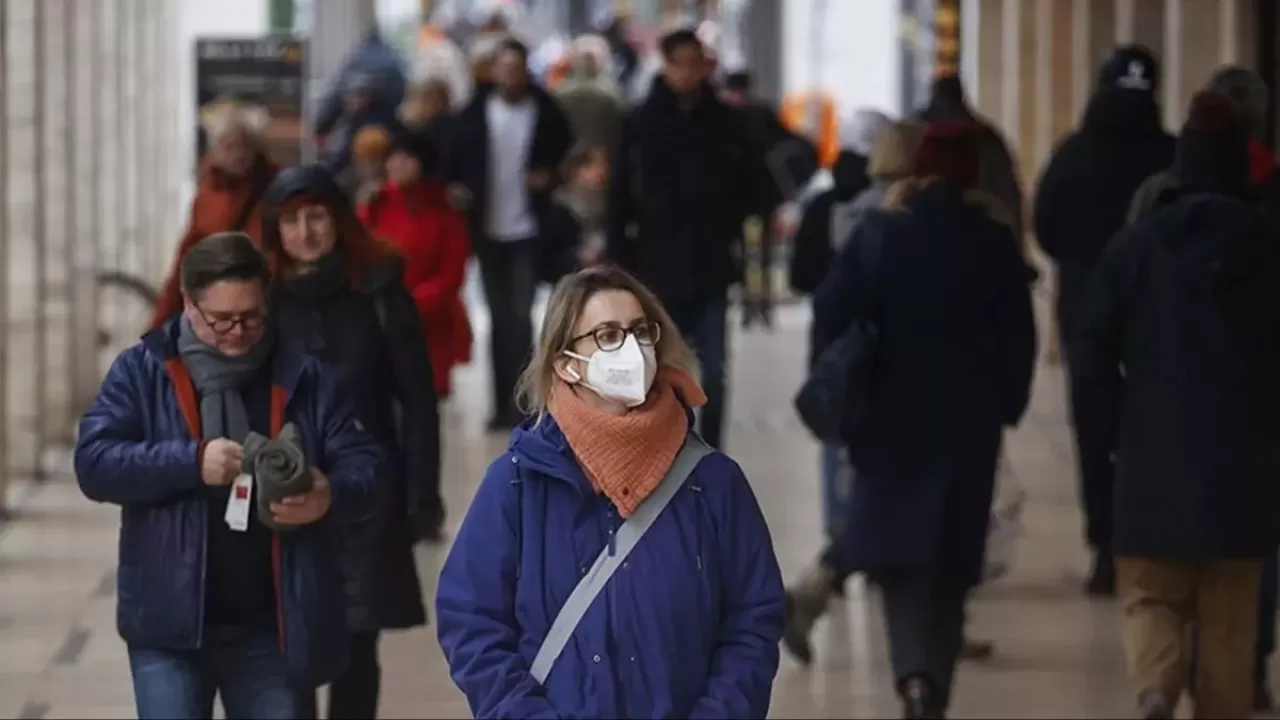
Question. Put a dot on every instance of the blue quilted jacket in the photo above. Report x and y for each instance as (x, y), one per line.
(138, 449)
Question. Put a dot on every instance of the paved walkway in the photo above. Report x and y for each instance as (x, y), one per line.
(1058, 655)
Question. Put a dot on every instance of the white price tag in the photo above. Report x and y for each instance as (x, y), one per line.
(240, 502)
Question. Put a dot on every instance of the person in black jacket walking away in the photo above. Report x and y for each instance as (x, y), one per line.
(1251, 98)
(1081, 203)
(508, 146)
(684, 180)
(1177, 366)
(941, 278)
(338, 295)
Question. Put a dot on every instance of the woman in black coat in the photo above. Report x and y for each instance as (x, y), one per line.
(941, 277)
(338, 295)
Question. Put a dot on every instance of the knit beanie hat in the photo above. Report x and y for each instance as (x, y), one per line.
(1131, 67)
(1212, 149)
(951, 151)
(1247, 92)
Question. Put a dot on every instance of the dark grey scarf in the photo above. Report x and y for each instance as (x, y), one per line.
(219, 380)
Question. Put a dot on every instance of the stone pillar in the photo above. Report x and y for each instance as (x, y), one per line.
(1093, 36)
(22, 261)
(53, 218)
(84, 49)
(1055, 75)
(1195, 52)
(1023, 56)
(1149, 23)
(1237, 36)
(6, 353)
(982, 54)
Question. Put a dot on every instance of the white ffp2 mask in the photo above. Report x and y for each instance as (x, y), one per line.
(620, 375)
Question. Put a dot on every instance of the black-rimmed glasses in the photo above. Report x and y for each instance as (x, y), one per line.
(611, 336)
(222, 325)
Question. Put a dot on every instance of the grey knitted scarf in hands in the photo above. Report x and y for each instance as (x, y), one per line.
(279, 470)
(219, 381)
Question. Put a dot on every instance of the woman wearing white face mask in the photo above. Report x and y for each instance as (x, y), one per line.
(611, 564)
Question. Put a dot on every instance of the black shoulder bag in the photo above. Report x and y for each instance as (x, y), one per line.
(833, 401)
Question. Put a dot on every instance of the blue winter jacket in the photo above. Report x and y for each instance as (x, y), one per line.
(688, 627)
(138, 448)
(373, 60)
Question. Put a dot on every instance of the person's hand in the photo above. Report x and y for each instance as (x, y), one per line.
(538, 180)
(306, 508)
(221, 462)
(459, 197)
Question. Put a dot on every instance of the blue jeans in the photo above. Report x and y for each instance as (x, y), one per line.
(837, 483)
(705, 326)
(243, 667)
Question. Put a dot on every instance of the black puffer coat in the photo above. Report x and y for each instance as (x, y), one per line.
(684, 180)
(372, 336)
(1084, 194)
(1180, 363)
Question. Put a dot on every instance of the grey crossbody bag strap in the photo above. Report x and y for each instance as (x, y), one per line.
(625, 540)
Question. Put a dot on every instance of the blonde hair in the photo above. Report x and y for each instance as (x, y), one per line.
(892, 152)
(563, 311)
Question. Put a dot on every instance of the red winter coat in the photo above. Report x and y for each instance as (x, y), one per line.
(433, 239)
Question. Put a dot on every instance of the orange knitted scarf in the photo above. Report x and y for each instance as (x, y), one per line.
(626, 456)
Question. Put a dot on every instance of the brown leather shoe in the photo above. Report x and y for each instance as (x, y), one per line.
(977, 650)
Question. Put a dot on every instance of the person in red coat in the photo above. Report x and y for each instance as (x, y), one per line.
(412, 211)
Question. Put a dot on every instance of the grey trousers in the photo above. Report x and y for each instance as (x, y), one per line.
(924, 617)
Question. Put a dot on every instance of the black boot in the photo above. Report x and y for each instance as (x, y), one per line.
(806, 602)
(1102, 580)
(919, 701)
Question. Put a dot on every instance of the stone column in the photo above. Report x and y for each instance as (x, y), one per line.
(22, 262)
(1055, 77)
(982, 64)
(53, 221)
(83, 48)
(1093, 36)
(1149, 23)
(1237, 37)
(1194, 34)
(6, 353)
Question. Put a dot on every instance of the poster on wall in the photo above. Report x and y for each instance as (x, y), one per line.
(260, 80)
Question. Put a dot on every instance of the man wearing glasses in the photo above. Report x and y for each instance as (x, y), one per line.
(213, 598)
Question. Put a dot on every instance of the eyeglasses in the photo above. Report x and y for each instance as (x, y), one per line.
(611, 336)
(222, 325)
